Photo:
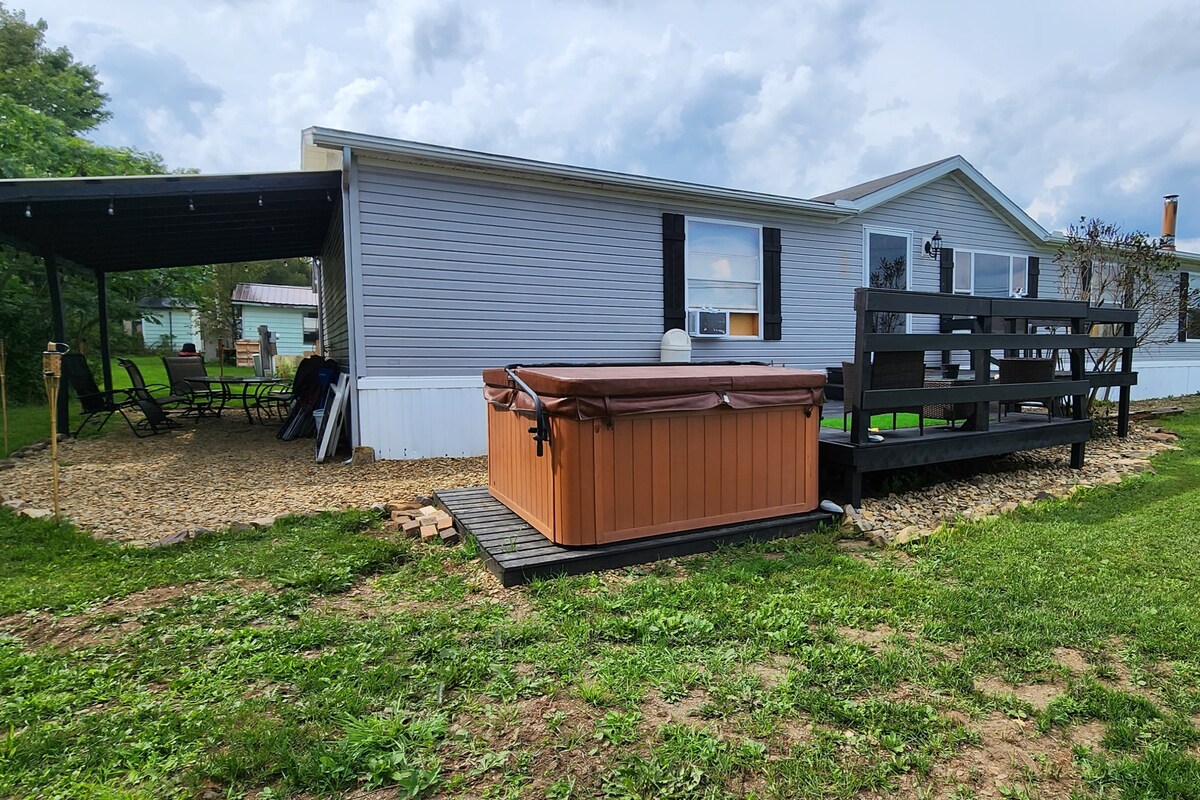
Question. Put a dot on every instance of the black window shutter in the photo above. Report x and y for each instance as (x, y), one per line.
(772, 284)
(674, 276)
(946, 270)
(1035, 272)
(1183, 306)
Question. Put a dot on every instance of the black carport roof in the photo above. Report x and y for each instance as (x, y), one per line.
(113, 224)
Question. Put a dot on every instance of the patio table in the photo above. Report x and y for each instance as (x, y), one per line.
(228, 384)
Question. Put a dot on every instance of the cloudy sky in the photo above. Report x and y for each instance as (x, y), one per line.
(1070, 108)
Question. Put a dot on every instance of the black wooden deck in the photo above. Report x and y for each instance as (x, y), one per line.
(517, 553)
(906, 448)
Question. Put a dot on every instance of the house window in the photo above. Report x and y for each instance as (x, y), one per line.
(886, 255)
(310, 327)
(990, 274)
(724, 272)
(1193, 310)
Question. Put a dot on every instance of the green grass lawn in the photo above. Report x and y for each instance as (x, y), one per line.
(320, 658)
(883, 422)
(31, 423)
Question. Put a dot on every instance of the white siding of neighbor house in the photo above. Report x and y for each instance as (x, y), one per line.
(286, 322)
(460, 274)
(179, 325)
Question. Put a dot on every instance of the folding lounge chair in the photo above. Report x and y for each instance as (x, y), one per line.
(95, 403)
(151, 405)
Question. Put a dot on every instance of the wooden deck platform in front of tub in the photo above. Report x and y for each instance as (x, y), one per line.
(516, 553)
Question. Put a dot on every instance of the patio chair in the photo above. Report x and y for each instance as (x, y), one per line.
(153, 406)
(905, 370)
(95, 403)
(1028, 370)
(199, 400)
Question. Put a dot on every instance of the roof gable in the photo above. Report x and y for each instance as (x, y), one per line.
(866, 196)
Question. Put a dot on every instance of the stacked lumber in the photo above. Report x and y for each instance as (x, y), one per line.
(427, 523)
(245, 350)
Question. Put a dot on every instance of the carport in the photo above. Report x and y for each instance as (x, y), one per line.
(114, 224)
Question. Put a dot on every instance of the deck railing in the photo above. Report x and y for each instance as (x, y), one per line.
(980, 326)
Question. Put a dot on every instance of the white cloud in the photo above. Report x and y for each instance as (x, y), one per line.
(1087, 112)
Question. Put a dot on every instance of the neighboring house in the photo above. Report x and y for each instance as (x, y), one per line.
(289, 312)
(449, 261)
(169, 323)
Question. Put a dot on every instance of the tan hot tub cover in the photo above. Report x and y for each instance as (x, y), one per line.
(599, 392)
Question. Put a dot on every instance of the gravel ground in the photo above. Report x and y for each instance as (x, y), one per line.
(213, 474)
(220, 472)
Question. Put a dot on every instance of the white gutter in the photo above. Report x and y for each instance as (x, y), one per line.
(418, 153)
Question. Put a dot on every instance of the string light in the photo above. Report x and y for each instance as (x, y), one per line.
(110, 207)
(28, 211)
(191, 205)
(260, 199)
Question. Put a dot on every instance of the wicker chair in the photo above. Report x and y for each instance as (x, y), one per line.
(1028, 370)
(904, 370)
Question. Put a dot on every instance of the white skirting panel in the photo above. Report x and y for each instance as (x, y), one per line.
(422, 417)
(1165, 379)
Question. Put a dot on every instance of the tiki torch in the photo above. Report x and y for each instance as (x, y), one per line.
(3, 398)
(52, 376)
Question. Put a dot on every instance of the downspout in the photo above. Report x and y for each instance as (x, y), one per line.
(353, 296)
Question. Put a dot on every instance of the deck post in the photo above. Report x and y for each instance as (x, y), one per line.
(102, 309)
(860, 421)
(1079, 409)
(1123, 396)
(981, 360)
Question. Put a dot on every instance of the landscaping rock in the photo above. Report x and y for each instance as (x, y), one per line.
(362, 456)
(263, 522)
(7, 463)
(14, 504)
(36, 513)
(16, 454)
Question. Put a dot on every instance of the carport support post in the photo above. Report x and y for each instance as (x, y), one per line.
(58, 324)
(102, 307)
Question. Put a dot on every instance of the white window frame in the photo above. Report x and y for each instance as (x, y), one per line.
(687, 277)
(1010, 256)
(908, 264)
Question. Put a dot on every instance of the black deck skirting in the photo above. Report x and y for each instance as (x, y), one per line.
(516, 553)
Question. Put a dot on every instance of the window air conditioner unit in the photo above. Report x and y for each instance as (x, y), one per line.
(708, 323)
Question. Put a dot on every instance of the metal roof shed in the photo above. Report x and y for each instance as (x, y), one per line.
(114, 224)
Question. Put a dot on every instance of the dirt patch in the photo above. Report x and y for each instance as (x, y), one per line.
(200, 479)
(112, 620)
(541, 726)
(686, 710)
(872, 638)
(1072, 659)
(1038, 695)
(772, 671)
(1089, 734)
(1009, 754)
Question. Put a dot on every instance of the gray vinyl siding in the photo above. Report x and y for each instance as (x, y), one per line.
(1175, 352)
(461, 274)
(335, 334)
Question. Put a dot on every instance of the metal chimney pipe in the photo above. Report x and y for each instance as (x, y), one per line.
(1170, 212)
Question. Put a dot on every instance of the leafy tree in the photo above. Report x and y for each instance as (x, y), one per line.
(46, 100)
(47, 81)
(1104, 265)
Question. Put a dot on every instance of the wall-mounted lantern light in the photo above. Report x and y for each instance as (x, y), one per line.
(933, 248)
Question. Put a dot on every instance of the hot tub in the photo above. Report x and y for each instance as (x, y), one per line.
(595, 454)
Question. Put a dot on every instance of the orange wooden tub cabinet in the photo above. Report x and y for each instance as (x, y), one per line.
(635, 451)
